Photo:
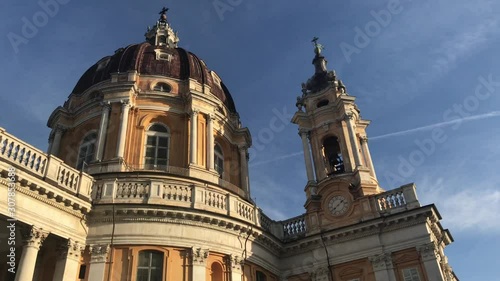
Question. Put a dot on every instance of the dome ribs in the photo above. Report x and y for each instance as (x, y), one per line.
(142, 58)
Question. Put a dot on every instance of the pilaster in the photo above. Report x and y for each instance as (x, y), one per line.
(98, 258)
(383, 267)
(198, 263)
(431, 260)
(69, 260)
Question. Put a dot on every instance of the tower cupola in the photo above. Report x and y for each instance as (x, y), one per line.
(336, 154)
(162, 33)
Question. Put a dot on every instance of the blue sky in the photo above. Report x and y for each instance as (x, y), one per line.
(416, 74)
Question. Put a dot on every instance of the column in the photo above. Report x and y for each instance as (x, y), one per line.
(431, 260)
(210, 142)
(103, 129)
(56, 143)
(353, 138)
(194, 136)
(382, 267)
(68, 264)
(33, 239)
(368, 156)
(198, 264)
(244, 169)
(234, 263)
(98, 256)
(317, 157)
(122, 133)
(307, 155)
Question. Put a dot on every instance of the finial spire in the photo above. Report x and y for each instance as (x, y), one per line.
(163, 14)
(317, 46)
(162, 33)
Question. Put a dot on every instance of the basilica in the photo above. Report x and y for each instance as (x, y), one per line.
(146, 179)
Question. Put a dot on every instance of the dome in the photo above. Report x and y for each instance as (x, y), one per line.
(181, 64)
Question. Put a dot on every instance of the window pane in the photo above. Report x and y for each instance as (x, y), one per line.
(143, 259)
(151, 141)
(156, 274)
(157, 260)
(162, 141)
(142, 274)
(149, 161)
(150, 152)
(162, 153)
(158, 128)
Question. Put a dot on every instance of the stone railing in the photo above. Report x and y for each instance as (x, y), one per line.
(190, 196)
(396, 200)
(29, 159)
(294, 227)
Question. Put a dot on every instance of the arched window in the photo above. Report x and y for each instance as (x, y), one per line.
(333, 156)
(216, 272)
(219, 160)
(260, 276)
(156, 150)
(322, 103)
(163, 87)
(150, 266)
(87, 150)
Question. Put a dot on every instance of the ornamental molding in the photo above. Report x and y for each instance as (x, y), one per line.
(33, 236)
(428, 251)
(99, 253)
(72, 250)
(199, 256)
(178, 217)
(52, 202)
(234, 262)
(321, 274)
(362, 231)
(381, 261)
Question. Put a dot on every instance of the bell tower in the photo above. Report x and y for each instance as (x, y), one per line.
(339, 167)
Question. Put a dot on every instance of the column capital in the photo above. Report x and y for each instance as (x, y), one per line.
(34, 236)
(242, 147)
(99, 253)
(381, 261)
(106, 104)
(363, 139)
(304, 132)
(349, 116)
(60, 128)
(72, 250)
(194, 111)
(321, 274)
(210, 116)
(199, 256)
(234, 262)
(428, 251)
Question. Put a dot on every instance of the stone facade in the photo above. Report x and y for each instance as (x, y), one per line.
(146, 178)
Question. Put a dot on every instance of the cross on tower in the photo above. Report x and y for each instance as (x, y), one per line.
(164, 11)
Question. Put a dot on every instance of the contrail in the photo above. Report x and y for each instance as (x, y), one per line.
(396, 134)
(441, 124)
(276, 159)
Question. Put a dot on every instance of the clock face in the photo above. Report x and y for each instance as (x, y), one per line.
(338, 205)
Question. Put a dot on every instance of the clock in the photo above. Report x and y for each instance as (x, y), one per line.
(338, 205)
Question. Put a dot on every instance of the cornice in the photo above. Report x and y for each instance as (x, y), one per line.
(177, 216)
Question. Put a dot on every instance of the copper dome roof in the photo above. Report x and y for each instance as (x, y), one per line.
(142, 58)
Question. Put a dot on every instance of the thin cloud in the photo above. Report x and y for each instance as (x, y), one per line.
(436, 125)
